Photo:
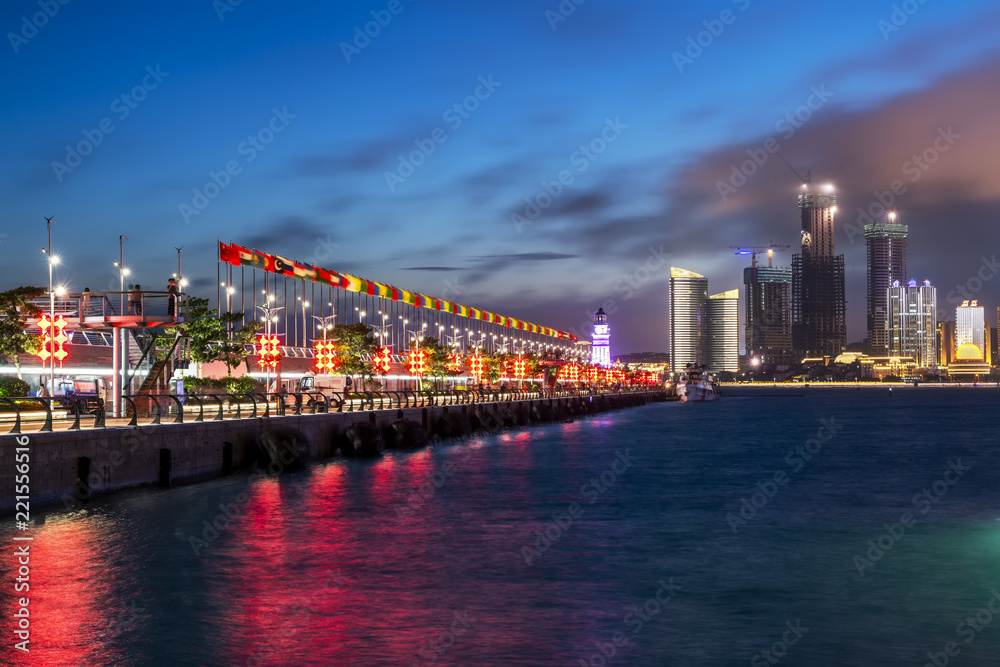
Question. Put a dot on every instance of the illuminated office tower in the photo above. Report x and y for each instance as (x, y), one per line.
(911, 318)
(688, 294)
(886, 246)
(819, 326)
(600, 353)
(722, 333)
(768, 313)
(970, 325)
(946, 343)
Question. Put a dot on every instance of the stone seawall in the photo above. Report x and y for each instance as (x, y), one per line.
(69, 465)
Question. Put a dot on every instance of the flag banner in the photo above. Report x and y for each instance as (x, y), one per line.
(236, 255)
(228, 254)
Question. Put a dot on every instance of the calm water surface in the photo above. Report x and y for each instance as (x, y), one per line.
(632, 525)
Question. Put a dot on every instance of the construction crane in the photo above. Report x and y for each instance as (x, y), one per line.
(755, 250)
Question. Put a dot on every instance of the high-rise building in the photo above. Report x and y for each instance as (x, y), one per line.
(768, 313)
(688, 294)
(886, 246)
(600, 353)
(819, 311)
(912, 322)
(722, 333)
(970, 325)
(946, 343)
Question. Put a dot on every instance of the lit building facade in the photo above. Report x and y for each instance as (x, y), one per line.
(722, 333)
(688, 293)
(911, 318)
(600, 351)
(768, 298)
(819, 315)
(886, 248)
(972, 353)
(946, 343)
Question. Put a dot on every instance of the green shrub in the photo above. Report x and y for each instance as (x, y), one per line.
(11, 386)
(242, 385)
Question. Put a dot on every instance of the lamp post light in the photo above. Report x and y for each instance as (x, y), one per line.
(305, 304)
(270, 315)
(52, 260)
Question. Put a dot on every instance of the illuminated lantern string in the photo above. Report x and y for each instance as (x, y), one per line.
(416, 362)
(382, 360)
(454, 362)
(571, 372)
(268, 353)
(476, 364)
(520, 368)
(326, 356)
(53, 347)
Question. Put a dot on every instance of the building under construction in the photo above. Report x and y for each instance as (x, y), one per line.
(768, 314)
(819, 309)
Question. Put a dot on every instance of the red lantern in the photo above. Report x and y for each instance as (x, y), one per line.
(382, 361)
(570, 372)
(53, 347)
(520, 368)
(476, 365)
(326, 356)
(268, 351)
(455, 362)
(416, 362)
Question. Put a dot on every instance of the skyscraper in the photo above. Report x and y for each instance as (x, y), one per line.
(600, 353)
(688, 293)
(722, 333)
(912, 322)
(819, 325)
(886, 246)
(768, 313)
(970, 325)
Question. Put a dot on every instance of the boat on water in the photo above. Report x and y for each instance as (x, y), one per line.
(696, 385)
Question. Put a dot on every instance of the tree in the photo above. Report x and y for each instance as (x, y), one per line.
(208, 335)
(354, 343)
(15, 308)
(437, 359)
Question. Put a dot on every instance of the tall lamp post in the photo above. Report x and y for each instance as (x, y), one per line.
(305, 304)
(270, 315)
(52, 307)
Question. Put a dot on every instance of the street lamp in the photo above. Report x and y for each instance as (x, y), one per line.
(270, 315)
(305, 304)
(52, 259)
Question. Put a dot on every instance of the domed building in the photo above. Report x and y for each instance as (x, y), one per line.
(969, 363)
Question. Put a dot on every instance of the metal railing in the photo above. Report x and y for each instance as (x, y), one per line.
(193, 408)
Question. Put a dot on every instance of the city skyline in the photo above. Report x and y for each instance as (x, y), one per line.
(285, 130)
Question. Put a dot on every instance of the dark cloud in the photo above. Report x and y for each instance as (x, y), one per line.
(532, 256)
(431, 268)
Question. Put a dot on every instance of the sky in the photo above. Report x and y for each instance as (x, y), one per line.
(534, 158)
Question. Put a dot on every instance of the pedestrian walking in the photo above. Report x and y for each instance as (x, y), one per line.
(84, 303)
(172, 292)
(135, 301)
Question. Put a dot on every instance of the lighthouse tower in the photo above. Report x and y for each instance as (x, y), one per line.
(601, 349)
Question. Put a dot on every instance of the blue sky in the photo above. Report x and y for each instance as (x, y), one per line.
(320, 184)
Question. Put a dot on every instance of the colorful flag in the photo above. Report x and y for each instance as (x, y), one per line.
(228, 254)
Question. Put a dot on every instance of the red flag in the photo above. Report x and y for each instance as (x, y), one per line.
(245, 256)
(228, 254)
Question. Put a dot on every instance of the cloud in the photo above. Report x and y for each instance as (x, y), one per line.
(532, 256)
(432, 268)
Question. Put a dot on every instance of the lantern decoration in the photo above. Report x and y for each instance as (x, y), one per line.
(505, 367)
(53, 347)
(268, 352)
(416, 362)
(571, 371)
(477, 364)
(520, 368)
(326, 356)
(382, 360)
(593, 375)
(454, 362)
